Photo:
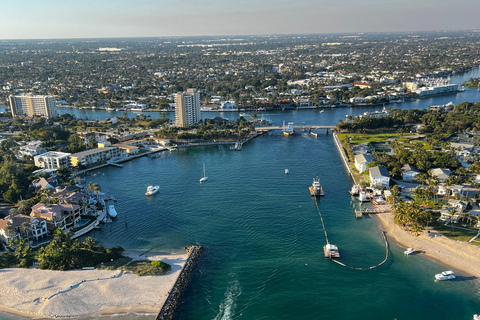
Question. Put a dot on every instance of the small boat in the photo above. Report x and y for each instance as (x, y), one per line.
(111, 211)
(204, 178)
(322, 111)
(316, 189)
(286, 171)
(445, 275)
(355, 190)
(362, 197)
(476, 317)
(152, 190)
(409, 251)
(331, 251)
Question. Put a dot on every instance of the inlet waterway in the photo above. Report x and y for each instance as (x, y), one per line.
(264, 238)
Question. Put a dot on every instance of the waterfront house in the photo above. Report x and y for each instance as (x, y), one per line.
(362, 161)
(37, 227)
(63, 216)
(379, 177)
(42, 183)
(446, 211)
(441, 174)
(409, 172)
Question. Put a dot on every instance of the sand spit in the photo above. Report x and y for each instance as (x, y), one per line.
(25, 291)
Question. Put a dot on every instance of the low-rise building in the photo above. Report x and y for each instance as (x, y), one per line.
(362, 161)
(379, 177)
(52, 160)
(441, 174)
(10, 228)
(63, 216)
(409, 172)
(97, 155)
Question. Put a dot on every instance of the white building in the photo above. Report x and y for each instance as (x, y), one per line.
(187, 108)
(441, 174)
(30, 105)
(409, 172)
(362, 161)
(52, 160)
(379, 177)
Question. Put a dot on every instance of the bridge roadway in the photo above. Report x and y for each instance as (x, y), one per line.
(295, 127)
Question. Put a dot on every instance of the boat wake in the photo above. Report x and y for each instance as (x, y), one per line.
(227, 307)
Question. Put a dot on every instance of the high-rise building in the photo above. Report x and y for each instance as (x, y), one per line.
(30, 105)
(187, 108)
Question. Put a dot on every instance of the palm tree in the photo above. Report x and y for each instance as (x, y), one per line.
(13, 212)
(10, 231)
(25, 227)
(23, 207)
(90, 243)
(416, 229)
(94, 188)
(452, 214)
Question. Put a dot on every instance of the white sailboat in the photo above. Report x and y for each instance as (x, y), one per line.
(204, 178)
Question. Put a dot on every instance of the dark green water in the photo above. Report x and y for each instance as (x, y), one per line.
(264, 238)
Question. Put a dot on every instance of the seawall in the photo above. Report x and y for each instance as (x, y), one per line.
(173, 300)
(344, 157)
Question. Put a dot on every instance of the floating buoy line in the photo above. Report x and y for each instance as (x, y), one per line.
(344, 265)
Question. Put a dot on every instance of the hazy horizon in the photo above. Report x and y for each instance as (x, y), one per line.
(63, 19)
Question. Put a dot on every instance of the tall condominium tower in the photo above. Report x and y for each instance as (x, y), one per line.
(30, 105)
(187, 108)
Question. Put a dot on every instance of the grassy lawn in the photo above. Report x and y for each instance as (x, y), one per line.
(358, 138)
(458, 234)
(145, 268)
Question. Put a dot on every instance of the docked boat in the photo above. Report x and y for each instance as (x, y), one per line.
(409, 251)
(331, 251)
(445, 275)
(204, 178)
(111, 211)
(378, 200)
(152, 190)
(362, 197)
(355, 190)
(316, 189)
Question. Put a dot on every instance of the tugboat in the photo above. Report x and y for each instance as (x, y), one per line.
(331, 251)
(316, 189)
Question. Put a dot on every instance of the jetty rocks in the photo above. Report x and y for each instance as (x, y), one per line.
(173, 300)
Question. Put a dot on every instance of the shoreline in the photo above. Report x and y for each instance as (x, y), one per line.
(460, 256)
(23, 292)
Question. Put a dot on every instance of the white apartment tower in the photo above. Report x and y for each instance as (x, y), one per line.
(30, 105)
(187, 108)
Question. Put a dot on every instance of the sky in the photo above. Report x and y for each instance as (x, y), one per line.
(50, 19)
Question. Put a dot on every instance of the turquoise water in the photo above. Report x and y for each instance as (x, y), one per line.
(264, 238)
(263, 235)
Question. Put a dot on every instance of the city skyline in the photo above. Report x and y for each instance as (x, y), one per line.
(166, 18)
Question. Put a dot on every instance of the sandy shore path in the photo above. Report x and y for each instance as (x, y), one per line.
(24, 291)
(460, 256)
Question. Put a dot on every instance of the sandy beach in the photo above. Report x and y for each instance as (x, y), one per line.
(25, 291)
(460, 256)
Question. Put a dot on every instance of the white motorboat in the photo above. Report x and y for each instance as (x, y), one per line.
(111, 211)
(152, 190)
(355, 190)
(286, 171)
(409, 251)
(476, 317)
(362, 197)
(204, 178)
(445, 275)
(331, 251)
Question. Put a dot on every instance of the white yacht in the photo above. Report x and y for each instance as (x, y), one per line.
(362, 197)
(286, 171)
(111, 211)
(445, 275)
(409, 251)
(152, 190)
(204, 178)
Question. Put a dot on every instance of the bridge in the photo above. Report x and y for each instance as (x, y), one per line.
(295, 127)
